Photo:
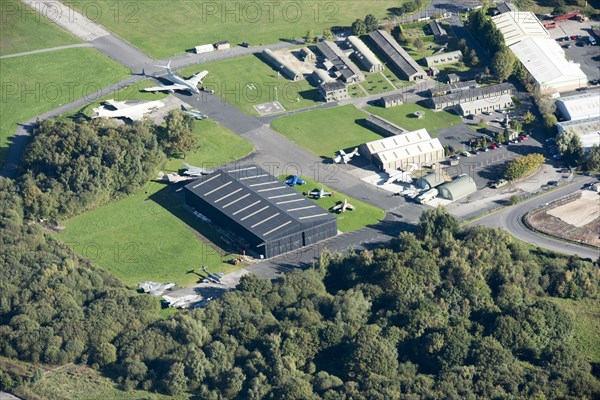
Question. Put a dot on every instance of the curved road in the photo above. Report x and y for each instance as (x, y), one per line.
(510, 219)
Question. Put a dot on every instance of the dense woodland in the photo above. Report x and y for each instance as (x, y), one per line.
(443, 313)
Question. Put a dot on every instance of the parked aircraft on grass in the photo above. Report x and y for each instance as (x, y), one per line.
(319, 193)
(191, 85)
(343, 206)
(294, 180)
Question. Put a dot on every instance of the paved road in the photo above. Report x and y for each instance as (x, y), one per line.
(511, 220)
(27, 53)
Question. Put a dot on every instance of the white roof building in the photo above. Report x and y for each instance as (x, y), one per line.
(581, 106)
(366, 57)
(485, 105)
(545, 61)
(400, 151)
(517, 26)
(588, 130)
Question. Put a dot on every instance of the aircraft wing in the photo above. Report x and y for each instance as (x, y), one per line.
(314, 193)
(342, 152)
(175, 86)
(196, 79)
(337, 207)
(338, 159)
(349, 206)
(119, 105)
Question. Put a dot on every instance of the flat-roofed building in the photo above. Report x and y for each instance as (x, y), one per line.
(204, 48)
(397, 56)
(268, 217)
(452, 78)
(458, 188)
(400, 151)
(333, 91)
(383, 126)
(489, 104)
(223, 45)
(452, 57)
(392, 100)
(281, 65)
(580, 106)
(365, 56)
(340, 63)
(452, 87)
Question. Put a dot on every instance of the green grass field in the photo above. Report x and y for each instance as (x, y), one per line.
(364, 214)
(325, 131)
(586, 315)
(22, 29)
(401, 115)
(166, 28)
(377, 83)
(149, 235)
(355, 91)
(247, 81)
(76, 382)
(32, 85)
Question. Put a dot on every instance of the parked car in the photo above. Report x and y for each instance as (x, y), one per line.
(552, 183)
(567, 46)
(581, 89)
(499, 184)
(522, 137)
(574, 37)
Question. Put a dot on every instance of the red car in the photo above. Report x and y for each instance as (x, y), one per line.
(523, 137)
(574, 37)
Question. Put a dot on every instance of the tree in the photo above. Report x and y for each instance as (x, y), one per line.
(327, 34)
(418, 43)
(516, 125)
(179, 137)
(503, 63)
(521, 166)
(473, 59)
(592, 162)
(359, 28)
(569, 144)
(528, 118)
(175, 382)
(310, 36)
(371, 23)
(106, 354)
(436, 223)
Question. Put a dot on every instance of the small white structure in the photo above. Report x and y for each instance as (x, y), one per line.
(205, 48)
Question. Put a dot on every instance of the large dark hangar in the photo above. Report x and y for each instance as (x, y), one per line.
(267, 214)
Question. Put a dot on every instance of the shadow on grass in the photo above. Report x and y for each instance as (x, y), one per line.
(171, 198)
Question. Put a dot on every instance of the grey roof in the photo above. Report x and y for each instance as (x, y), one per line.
(453, 76)
(393, 97)
(451, 88)
(340, 61)
(332, 86)
(397, 55)
(384, 125)
(433, 179)
(506, 7)
(471, 94)
(258, 201)
(436, 28)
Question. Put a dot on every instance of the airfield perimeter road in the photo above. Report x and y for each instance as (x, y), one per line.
(510, 219)
(273, 149)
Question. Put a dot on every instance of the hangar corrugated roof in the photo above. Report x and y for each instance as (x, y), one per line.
(258, 201)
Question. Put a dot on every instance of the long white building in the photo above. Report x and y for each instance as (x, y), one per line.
(541, 55)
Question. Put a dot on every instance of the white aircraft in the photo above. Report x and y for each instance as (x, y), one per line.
(319, 193)
(344, 158)
(395, 175)
(190, 170)
(343, 206)
(179, 83)
(134, 112)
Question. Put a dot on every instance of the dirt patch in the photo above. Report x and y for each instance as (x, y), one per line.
(293, 58)
(576, 219)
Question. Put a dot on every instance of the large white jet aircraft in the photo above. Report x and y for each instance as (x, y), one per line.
(179, 83)
(134, 112)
